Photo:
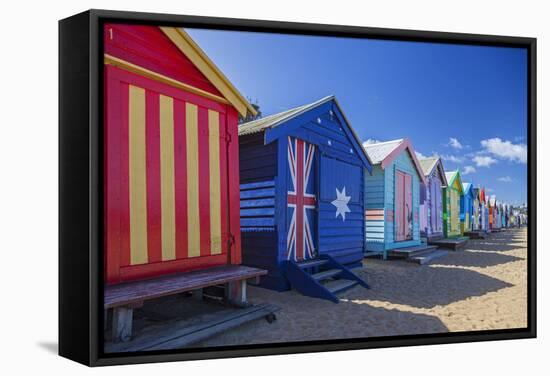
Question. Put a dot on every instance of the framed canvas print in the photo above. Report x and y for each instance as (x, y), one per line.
(239, 187)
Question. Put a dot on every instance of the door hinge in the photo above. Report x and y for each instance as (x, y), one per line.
(228, 138)
(230, 239)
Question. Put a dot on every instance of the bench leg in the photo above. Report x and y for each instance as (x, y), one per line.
(197, 294)
(236, 293)
(122, 324)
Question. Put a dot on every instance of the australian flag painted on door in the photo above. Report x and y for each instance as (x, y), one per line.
(301, 175)
(301, 200)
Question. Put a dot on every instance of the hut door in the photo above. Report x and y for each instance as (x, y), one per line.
(433, 206)
(408, 207)
(166, 179)
(301, 200)
(437, 208)
(455, 210)
(403, 206)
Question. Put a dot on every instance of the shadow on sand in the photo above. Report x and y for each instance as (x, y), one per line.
(473, 259)
(349, 319)
(429, 287)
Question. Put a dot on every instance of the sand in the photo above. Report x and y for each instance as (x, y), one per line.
(479, 288)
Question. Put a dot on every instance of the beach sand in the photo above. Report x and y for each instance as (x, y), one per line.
(481, 287)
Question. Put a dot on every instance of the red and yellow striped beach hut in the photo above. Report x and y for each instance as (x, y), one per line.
(171, 165)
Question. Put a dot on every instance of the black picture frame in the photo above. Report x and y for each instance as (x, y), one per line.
(80, 182)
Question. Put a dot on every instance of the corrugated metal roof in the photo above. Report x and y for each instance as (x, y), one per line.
(379, 151)
(272, 121)
(428, 164)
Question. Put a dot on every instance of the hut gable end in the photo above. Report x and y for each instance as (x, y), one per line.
(321, 123)
(170, 55)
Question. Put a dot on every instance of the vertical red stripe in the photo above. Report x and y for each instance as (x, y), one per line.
(180, 179)
(124, 177)
(299, 200)
(112, 173)
(224, 220)
(234, 187)
(204, 182)
(152, 152)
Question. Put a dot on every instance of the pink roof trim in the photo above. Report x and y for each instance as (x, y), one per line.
(405, 144)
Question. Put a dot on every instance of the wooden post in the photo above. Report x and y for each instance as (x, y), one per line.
(122, 324)
(197, 294)
(236, 293)
(105, 317)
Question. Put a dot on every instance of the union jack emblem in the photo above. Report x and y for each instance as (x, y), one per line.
(300, 244)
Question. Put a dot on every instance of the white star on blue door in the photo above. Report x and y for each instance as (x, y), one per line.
(341, 203)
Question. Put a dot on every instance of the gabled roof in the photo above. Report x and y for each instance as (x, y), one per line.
(451, 177)
(384, 153)
(189, 48)
(482, 194)
(467, 188)
(272, 122)
(429, 164)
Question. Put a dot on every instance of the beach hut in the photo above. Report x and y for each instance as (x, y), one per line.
(491, 212)
(301, 175)
(476, 220)
(498, 215)
(431, 199)
(171, 186)
(484, 210)
(392, 199)
(466, 207)
(452, 228)
(451, 208)
(472, 229)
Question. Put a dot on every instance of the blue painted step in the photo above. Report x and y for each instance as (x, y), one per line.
(321, 278)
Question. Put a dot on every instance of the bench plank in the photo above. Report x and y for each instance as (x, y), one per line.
(139, 291)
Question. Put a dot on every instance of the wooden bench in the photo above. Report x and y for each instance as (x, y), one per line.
(125, 297)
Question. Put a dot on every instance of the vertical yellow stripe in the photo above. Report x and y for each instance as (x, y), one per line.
(138, 179)
(167, 188)
(192, 141)
(214, 158)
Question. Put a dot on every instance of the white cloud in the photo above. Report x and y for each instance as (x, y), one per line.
(370, 141)
(419, 155)
(468, 170)
(505, 149)
(454, 143)
(505, 179)
(452, 158)
(484, 160)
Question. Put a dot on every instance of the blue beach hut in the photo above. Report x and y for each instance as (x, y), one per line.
(301, 175)
(392, 198)
(466, 207)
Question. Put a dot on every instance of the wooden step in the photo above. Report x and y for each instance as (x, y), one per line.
(339, 285)
(373, 253)
(409, 252)
(312, 263)
(326, 274)
(451, 243)
(428, 257)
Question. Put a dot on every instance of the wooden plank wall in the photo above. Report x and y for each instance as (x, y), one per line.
(374, 201)
(258, 169)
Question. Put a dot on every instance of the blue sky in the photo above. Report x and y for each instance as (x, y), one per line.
(467, 104)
